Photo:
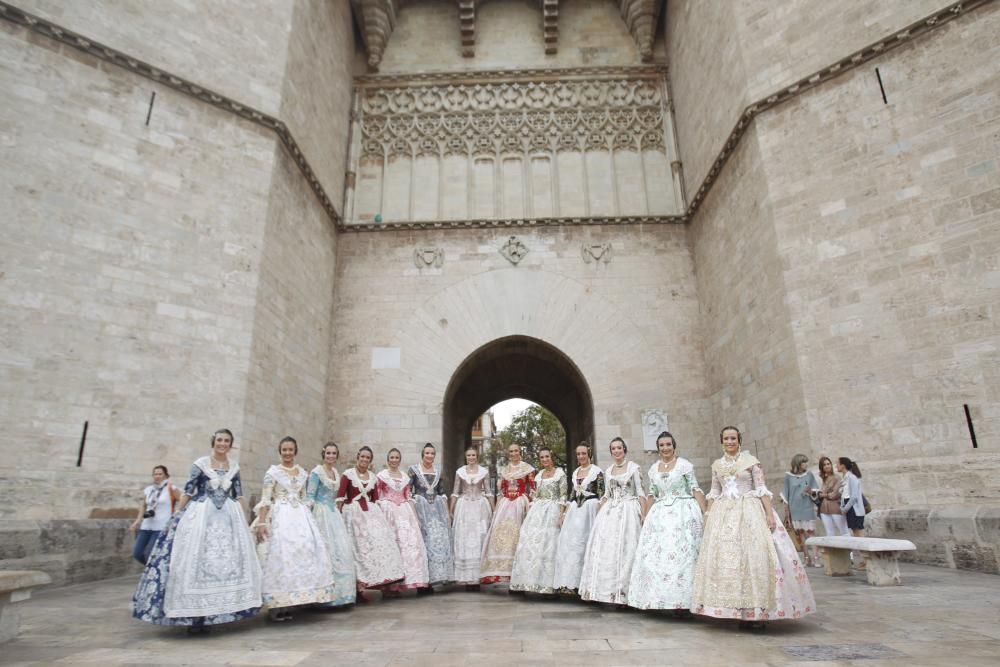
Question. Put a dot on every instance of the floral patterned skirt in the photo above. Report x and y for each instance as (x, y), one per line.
(572, 547)
(376, 557)
(403, 521)
(663, 570)
(745, 571)
(435, 529)
(535, 557)
(607, 567)
(470, 528)
(294, 559)
(215, 578)
(501, 543)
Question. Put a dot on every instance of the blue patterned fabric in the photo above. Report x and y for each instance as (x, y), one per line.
(431, 504)
(148, 600)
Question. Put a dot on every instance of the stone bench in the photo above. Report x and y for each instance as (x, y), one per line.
(881, 556)
(15, 586)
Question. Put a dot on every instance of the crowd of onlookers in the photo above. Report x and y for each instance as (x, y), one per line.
(836, 496)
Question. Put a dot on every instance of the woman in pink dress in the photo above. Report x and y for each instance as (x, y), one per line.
(393, 488)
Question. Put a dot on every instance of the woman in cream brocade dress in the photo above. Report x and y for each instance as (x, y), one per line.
(747, 568)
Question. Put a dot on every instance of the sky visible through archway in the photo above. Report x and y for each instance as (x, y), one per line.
(504, 411)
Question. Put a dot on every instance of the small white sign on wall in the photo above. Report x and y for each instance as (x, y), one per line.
(385, 357)
(654, 422)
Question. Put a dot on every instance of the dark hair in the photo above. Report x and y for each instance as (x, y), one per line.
(666, 434)
(166, 473)
(822, 475)
(220, 432)
(618, 439)
(472, 448)
(322, 452)
(365, 448)
(389, 453)
(544, 449)
(424, 449)
(584, 443)
(739, 436)
(290, 439)
(850, 465)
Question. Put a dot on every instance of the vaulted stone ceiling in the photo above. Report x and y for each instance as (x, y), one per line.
(377, 19)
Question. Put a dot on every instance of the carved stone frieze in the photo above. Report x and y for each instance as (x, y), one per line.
(514, 250)
(376, 19)
(596, 252)
(640, 16)
(513, 117)
(425, 258)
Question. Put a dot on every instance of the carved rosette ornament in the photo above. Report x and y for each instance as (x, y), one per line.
(425, 258)
(514, 250)
(597, 252)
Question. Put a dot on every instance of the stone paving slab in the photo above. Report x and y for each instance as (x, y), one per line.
(938, 618)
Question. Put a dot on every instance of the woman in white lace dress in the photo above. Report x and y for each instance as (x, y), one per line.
(663, 571)
(377, 561)
(747, 567)
(535, 558)
(607, 567)
(472, 509)
(203, 569)
(584, 499)
(292, 550)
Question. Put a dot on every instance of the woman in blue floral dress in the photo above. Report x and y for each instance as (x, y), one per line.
(430, 501)
(203, 569)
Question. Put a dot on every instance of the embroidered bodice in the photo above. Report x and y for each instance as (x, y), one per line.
(624, 486)
(396, 491)
(284, 486)
(354, 490)
(739, 478)
(517, 481)
(678, 483)
(206, 483)
(470, 485)
(590, 487)
(429, 485)
(321, 487)
(553, 488)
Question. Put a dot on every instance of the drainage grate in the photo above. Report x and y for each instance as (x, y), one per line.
(842, 652)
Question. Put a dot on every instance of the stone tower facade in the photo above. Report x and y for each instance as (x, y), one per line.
(285, 217)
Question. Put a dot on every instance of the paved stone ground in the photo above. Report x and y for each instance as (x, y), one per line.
(939, 617)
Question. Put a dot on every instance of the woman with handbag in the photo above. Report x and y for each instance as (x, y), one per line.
(852, 501)
(828, 499)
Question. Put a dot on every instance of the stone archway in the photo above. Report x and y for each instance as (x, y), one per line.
(514, 367)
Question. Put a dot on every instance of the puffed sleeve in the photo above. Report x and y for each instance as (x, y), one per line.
(236, 489)
(716, 491)
(312, 487)
(457, 488)
(759, 487)
(191, 487)
(637, 479)
(439, 487)
(692, 481)
(266, 492)
(345, 484)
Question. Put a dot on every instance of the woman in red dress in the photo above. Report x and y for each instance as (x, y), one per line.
(376, 557)
(517, 481)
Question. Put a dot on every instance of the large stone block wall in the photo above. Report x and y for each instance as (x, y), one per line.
(750, 359)
(287, 379)
(130, 268)
(725, 55)
(629, 325)
(508, 35)
(235, 47)
(887, 218)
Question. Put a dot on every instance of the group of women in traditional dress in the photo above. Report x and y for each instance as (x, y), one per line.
(323, 538)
